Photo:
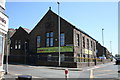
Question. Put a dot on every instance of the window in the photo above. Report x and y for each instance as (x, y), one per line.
(16, 44)
(49, 57)
(88, 43)
(91, 44)
(49, 39)
(1, 44)
(94, 46)
(51, 34)
(19, 44)
(77, 39)
(38, 41)
(83, 42)
(62, 56)
(47, 35)
(47, 42)
(62, 39)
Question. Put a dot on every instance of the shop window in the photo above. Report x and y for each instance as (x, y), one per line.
(62, 39)
(38, 41)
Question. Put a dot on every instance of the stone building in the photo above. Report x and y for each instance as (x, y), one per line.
(40, 46)
(43, 41)
(19, 41)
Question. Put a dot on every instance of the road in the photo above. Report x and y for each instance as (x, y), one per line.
(109, 70)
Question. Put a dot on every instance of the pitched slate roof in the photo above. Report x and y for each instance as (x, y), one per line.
(27, 30)
(50, 11)
(73, 25)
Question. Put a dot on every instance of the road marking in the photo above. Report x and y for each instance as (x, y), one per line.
(103, 74)
(105, 70)
(91, 74)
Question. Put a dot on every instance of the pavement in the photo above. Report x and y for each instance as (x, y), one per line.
(11, 76)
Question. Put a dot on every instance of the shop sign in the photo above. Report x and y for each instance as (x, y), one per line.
(55, 49)
(3, 22)
(88, 51)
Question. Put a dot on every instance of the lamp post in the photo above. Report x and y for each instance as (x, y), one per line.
(103, 41)
(25, 50)
(111, 47)
(59, 32)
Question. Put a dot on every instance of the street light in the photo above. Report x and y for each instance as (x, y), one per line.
(59, 31)
(102, 37)
(110, 47)
(103, 41)
(25, 50)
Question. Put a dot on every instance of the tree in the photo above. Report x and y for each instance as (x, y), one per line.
(117, 55)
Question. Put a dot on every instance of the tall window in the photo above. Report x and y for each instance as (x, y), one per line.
(83, 42)
(77, 39)
(62, 39)
(1, 44)
(19, 44)
(16, 44)
(49, 39)
(94, 46)
(88, 43)
(91, 45)
(38, 41)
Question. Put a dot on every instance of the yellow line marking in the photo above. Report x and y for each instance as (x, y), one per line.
(18, 74)
(104, 74)
(91, 73)
(105, 70)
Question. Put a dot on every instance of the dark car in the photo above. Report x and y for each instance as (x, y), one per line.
(118, 61)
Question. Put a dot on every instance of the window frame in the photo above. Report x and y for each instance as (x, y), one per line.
(62, 39)
(38, 39)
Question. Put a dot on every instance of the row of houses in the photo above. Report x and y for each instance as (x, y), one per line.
(40, 45)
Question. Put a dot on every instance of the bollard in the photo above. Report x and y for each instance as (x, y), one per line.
(24, 77)
(66, 74)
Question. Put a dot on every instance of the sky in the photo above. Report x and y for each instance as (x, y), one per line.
(90, 17)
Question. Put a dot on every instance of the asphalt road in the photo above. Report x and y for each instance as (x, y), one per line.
(109, 70)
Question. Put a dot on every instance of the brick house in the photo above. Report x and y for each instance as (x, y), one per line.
(18, 41)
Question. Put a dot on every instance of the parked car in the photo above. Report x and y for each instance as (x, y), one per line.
(117, 61)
